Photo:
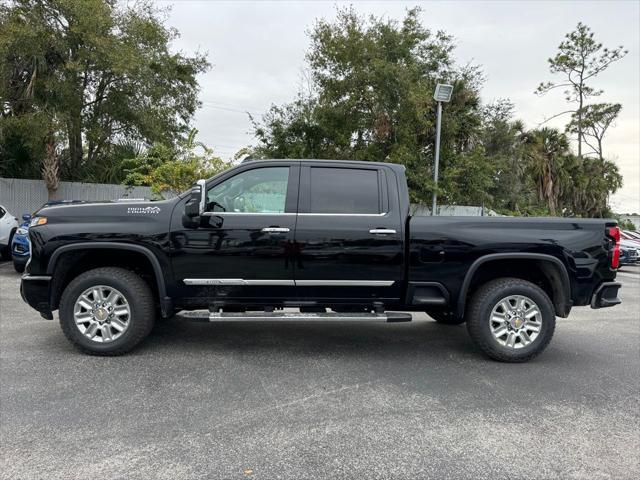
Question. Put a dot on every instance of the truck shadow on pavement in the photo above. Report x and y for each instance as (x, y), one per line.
(423, 337)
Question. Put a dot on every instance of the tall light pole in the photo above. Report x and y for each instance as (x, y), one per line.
(442, 94)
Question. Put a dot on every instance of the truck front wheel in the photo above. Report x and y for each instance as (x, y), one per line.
(511, 320)
(107, 311)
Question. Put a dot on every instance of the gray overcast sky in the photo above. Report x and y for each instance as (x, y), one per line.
(257, 54)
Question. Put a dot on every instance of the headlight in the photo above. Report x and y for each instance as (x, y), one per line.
(35, 221)
(22, 231)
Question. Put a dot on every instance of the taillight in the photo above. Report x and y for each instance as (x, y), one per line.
(614, 233)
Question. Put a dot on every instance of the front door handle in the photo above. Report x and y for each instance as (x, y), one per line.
(275, 230)
(382, 231)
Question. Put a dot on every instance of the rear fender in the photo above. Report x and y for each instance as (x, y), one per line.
(552, 267)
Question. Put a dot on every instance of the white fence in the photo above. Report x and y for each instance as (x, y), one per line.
(420, 210)
(25, 196)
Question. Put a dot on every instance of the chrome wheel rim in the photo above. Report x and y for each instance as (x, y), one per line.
(515, 321)
(102, 313)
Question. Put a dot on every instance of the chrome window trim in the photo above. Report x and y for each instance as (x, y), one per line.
(345, 214)
(213, 214)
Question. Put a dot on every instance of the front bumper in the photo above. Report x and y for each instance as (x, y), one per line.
(20, 249)
(606, 295)
(36, 291)
(21, 259)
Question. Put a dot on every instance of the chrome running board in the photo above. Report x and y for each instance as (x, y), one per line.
(205, 315)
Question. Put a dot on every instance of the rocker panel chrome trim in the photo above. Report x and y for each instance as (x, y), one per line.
(236, 281)
(344, 283)
(289, 283)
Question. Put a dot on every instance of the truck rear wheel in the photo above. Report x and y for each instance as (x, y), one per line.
(107, 311)
(511, 320)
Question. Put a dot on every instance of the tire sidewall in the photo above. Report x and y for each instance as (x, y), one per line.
(84, 282)
(483, 329)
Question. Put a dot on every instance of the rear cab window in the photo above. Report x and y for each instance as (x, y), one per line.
(343, 191)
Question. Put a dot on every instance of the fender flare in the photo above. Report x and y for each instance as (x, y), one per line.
(562, 306)
(155, 264)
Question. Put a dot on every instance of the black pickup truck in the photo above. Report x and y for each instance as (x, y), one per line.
(312, 239)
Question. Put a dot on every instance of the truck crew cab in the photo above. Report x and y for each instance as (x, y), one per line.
(329, 239)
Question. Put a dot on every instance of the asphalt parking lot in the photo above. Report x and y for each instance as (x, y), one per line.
(266, 401)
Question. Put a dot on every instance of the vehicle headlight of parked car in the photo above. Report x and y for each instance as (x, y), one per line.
(35, 221)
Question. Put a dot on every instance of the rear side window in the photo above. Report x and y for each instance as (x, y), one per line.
(344, 190)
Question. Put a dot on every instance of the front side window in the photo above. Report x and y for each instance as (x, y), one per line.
(261, 190)
(344, 190)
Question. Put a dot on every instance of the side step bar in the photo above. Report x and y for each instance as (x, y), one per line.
(206, 316)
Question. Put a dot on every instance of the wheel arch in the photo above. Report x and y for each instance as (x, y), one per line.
(79, 248)
(550, 268)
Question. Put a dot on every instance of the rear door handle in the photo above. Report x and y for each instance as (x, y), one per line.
(275, 230)
(382, 231)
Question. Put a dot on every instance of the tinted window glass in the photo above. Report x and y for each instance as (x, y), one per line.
(344, 190)
(262, 190)
(1, 212)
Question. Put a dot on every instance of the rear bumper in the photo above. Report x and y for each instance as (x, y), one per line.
(36, 291)
(606, 295)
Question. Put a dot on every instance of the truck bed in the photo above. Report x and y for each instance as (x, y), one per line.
(443, 249)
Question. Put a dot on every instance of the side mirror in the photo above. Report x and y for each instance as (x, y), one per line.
(26, 217)
(195, 205)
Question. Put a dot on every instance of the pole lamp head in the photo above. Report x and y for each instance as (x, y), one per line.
(443, 92)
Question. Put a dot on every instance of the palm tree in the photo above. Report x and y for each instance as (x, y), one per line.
(548, 149)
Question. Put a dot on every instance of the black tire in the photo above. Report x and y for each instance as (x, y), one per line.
(445, 317)
(19, 267)
(480, 308)
(138, 295)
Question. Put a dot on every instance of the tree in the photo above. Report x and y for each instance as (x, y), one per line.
(566, 183)
(548, 150)
(580, 58)
(596, 120)
(51, 162)
(504, 142)
(173, 170)
(626, 224)
(370, 98)
(102, 69)
(592, 180)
